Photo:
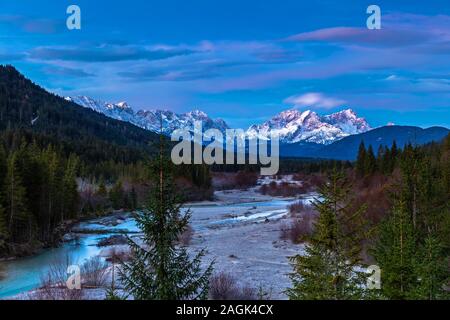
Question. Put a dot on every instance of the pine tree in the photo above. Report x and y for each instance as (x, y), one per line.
(133, 199)
(395, 253)
(361, 160)
(394, 149)
(386, 166)
(69, 189)
(3, 224)
(3, 229)
(117, 196)
(432, 271)
(101, 191)
(3, 167)
(394, 154)
(17, 213)
(328, 269)
(380, 158)
(370, 164)
(159, 269)
(50, 213)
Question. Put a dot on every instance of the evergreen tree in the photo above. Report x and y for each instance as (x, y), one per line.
(101, 191)
(328, 269)
(370, 164)
(69, 189)
(17, 213)
(117, 196)
(394, 155)
(411, 246)
(159, 269)
(3, 167)
(409, 165)
(361, 160)
(394, 150)
(432, 271)
(133, 199)
(50, 214)
(395, 253)
(380, 158)
(3, 225)
(3, 229)
(386, 166)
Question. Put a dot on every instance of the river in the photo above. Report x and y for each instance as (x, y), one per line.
(24, 274)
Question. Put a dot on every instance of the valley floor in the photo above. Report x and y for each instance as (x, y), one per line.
(240, 231)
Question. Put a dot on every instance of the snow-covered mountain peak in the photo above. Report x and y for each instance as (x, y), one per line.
(197, 114)
(151, 119)
(122, 105)
(347, 121)
(291, 125)
(307, 126)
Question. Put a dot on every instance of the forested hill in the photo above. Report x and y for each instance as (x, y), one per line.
(27, 110)
(60, 162)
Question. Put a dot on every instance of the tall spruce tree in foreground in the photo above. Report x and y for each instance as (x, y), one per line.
(395, 253)
(329, 267)
(160, 269)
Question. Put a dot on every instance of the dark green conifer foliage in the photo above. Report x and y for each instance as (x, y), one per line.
(433, 271)
(411, 249)
(117, 196)
(361, 160)
(327, 270)
(69, 189)
(370, 165)
(160, 269)
(3, 229)
(101, 191)
(19, 223)
(395, 253)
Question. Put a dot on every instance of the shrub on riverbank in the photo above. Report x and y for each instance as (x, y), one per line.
(223, 286)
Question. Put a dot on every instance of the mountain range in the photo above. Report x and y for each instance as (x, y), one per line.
(100, 131)
(150, 119)
(292, 126)
(302, 133)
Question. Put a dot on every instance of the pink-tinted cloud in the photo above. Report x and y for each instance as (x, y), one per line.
(398, 29)
(314, 100)
(349, 35)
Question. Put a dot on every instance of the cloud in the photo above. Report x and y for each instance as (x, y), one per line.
(105, 53)
(392, 77)
(421, 84)
(387, 36)
(314, 100)
(398, 30)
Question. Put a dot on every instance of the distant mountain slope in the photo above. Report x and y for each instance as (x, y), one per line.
(26, 107)
(347, 148)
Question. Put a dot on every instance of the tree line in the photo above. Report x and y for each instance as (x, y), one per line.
(411, 246)
(38, 190)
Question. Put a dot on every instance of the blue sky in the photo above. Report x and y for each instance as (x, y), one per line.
(243, 61)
